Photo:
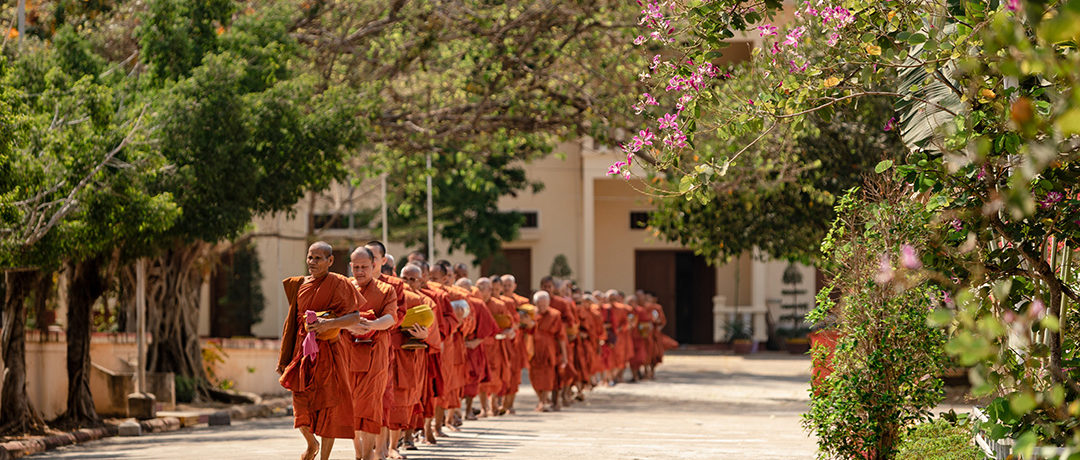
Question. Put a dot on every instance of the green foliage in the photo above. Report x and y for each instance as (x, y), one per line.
(887, 357)
(985, 94)
(780, 200)
(939, 440)
(560, 267)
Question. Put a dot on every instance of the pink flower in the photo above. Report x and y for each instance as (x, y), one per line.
(649, 100)
(639, 40)
(1009, 316)
(751, 102)
(834, 38)
(1013, 5)
(676, 140)
(643, 138)
(957, 225)
(616, 168)
(908, 258)
(982, 173)
(792, 38)
(629, 158)
(1051, 199)
(767, 30)
(655, 62)
(668, 121)
(1037, 309)
(885, 270)
(890, 125)
(797, 68)
(775, 48)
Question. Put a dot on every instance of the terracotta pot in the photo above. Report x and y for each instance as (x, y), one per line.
(822, 367)
(742, 346)
(797, 346)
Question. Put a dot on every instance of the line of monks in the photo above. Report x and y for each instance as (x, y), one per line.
(377, 358)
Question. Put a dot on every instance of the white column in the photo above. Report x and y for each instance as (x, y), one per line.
(758, 285)
(589, 230)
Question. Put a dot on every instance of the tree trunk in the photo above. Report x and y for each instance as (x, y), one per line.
(16, 414)
(86, 287)
(41, 301)
(173, 282)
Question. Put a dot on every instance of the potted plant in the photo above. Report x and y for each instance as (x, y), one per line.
(795, 335)
(738, 333)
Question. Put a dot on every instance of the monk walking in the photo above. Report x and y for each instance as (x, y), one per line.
(409, 365)
(320, 381)
(369, 352)
(549, 352)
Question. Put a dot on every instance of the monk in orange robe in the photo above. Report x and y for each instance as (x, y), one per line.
(318, 382)
(519, 359)
(625, 343)
(549, 352)
(607, 341)
(481, 328)
(449, 376)
(368, 345)
(409, 365)
(568, 373)
(641, 335)
(498, 351)
(592, 328)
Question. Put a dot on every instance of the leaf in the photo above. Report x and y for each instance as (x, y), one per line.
(1069, 122)
(1021, 403)
(883, 166)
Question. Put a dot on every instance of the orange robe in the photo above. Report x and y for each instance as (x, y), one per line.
(410, 367)
(567, 311)
(499, 352)
(482, 328)
(449, 377)
(548, 332)
(625, 342)
(317, 405)
(369, 360)
(642, 334)
(398, 286)
(607, 348)
(520, 357)
(592, 329)
(657, 355)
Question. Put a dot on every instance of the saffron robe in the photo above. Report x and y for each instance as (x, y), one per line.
(317, 405)
(410, 367)
(369, 360)
(548, 332)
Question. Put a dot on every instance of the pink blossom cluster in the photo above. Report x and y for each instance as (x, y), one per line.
(652, 16)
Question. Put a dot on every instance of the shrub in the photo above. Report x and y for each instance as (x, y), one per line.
(939, 440)
(886, 356)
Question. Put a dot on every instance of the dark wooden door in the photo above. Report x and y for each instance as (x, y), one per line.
(684, 285)
(517, 262)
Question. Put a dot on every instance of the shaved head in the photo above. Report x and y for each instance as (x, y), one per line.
(322, 247)
(463, 283)
(363, 253)
(376, 247)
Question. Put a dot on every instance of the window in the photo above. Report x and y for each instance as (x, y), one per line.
(639, 220)
(532, 219)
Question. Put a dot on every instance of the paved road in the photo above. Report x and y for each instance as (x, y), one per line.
(702, 406)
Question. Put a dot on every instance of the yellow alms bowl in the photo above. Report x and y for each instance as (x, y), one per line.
(418, 315)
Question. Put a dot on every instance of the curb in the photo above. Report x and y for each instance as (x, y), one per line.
(39, 444)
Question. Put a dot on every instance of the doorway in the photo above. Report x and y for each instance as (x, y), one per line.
(517, 262)
(684, 284)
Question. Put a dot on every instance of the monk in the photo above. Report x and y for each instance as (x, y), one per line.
(378, 250)
(641, 336)
(549, 352)
(500, 353)
(388, 265)
(461, 271)
(318, 383)
(477, 331)
(568, 373)
(451, 374)
(627, 323)
(409, 365)
(520, 344)
(592, 328)
(607, 340)
(369, 356)
(446, 363)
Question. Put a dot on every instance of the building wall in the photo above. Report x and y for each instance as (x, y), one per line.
(615, 241)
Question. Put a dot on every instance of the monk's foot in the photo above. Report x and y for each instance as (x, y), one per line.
(395, 454)
(470, 416)
(441, 434)
(407, 443)
(429, 440)
(580, 396)
(311, 452)
(512, 411)
(453, 428)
